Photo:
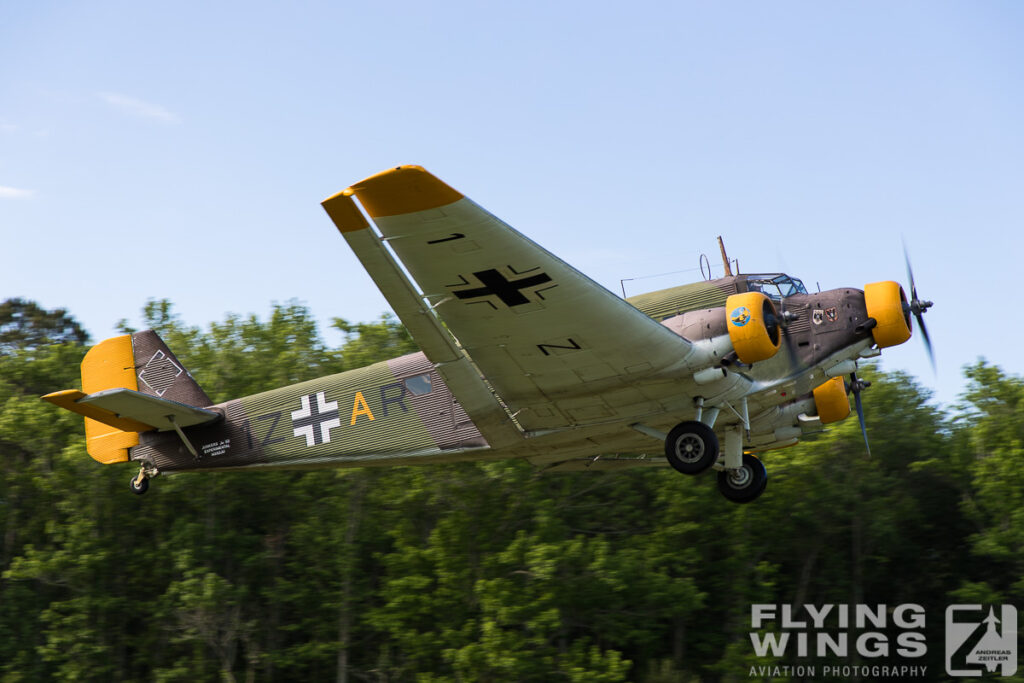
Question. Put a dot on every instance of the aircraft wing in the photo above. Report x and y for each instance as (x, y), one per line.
(600, 464)
(557, 348)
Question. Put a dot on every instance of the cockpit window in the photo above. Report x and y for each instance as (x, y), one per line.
(418, 385)
(776, 286)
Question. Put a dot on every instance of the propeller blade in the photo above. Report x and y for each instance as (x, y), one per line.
(927, 341)
(910, 274)
(783, 321)
(857, 386)
(863, 425)
(918, 308)
(794, 361)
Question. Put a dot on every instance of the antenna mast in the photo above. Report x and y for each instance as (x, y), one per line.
(725, 258)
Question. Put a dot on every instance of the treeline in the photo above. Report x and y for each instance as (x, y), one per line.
(476, 572)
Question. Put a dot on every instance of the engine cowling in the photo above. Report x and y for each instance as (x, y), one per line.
(831, 401)
(753, 326)
(885, 302)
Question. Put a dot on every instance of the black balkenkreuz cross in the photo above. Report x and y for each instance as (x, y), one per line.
(315, 419)
(509, 291)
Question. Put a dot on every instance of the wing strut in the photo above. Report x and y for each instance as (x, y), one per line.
(181, 435)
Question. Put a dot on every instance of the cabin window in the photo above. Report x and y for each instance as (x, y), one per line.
(769, 289)
(418, 385)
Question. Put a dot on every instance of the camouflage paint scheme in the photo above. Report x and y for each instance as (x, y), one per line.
(390, 411)
(523, 357)
(383, 415)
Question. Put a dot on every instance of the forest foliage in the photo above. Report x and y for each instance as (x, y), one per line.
(475, 572)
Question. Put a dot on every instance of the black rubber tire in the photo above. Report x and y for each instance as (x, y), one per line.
(141, 487)
(691, 447)
(746, 484)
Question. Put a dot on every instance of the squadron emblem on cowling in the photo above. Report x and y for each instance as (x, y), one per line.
(740, 316)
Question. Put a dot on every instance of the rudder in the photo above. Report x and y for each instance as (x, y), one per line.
(107, 365)
(140, 362)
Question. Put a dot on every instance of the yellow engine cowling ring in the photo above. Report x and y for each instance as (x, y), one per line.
(832, 401)
(885, 303)
(753, 326)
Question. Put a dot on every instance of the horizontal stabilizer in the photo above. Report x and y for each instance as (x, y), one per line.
(69, 398)
(132, 410)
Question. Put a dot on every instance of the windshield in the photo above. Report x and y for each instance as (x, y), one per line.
(775, 286)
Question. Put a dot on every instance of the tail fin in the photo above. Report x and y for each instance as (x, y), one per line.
(161, 374)
(139, 362)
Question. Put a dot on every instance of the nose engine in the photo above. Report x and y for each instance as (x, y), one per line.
(887, 304)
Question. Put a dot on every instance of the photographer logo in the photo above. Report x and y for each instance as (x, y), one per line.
(980, 640)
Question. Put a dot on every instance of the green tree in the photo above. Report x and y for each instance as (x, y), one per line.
(477, 571)
(24, 326)
(39, 351)
(994, 448)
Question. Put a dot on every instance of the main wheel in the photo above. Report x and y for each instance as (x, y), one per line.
(691, 447)
(746, 483)
(139, 487)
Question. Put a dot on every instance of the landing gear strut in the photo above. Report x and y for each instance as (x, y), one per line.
(691, 447)
(140, 483)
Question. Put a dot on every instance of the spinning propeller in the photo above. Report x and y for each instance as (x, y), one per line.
(918, 308)
(779, 324)
(857, 386)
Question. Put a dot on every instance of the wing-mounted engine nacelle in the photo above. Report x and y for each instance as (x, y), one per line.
(753, 326)
(746, 330)
(831, 401)
(784, 425)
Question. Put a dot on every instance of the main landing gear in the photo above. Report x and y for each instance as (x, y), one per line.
(692, 447)
(744, 484)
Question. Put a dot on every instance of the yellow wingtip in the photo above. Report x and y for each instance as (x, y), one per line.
(403, 189)
(344, 212)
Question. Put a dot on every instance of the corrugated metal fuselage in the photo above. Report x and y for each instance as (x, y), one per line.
(395, 410)
(401, 412)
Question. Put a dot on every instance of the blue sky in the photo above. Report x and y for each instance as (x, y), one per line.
(181, 150)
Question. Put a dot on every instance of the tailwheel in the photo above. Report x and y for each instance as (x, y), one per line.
(746, 483)
(691, 447)
(140, 483)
